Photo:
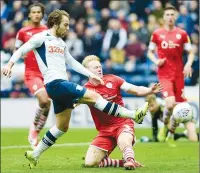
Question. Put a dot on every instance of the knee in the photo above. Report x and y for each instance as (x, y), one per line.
(91, 163)
(93, 95)
(63, 127)
(170, 105)
(44, 103)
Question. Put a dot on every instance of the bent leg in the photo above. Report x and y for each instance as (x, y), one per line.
(94, 156)
(191, 131)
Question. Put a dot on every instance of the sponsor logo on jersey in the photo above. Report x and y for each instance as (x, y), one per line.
(55, 49)
(109, 85)
(170, 44)
(178, 36)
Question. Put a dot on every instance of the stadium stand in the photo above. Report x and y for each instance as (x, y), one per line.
(90, 25)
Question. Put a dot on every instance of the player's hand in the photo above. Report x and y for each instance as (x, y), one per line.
(187, 71)
(156, 88)
(137, 164)
(160, 62)
(96, 79)
(6, 71)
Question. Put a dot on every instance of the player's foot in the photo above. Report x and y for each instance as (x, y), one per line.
(33, 138)
(141, 112)
(162, 134)
(170, 141)
(32, 160)
(132, 164)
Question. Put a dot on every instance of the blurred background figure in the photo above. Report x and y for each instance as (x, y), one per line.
(118, 32)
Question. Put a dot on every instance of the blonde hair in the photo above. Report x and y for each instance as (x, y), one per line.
(89, 58)
(150, 98)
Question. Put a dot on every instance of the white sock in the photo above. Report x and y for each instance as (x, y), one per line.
(113, 109)
(48, 140)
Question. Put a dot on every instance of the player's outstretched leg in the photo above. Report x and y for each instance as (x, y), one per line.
(62, 124)
(92, 98)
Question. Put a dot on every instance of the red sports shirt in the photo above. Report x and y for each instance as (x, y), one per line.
(170, 45)
(23, 35)
(111, 92)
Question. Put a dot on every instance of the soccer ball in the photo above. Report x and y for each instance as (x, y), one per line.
(183, 112)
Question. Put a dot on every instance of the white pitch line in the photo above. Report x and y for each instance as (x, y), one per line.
(55, 145)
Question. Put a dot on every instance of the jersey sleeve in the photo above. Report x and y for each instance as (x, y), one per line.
(75, 65)
(19, 39)
(34, 42)
(153, 41)
(186, 42)
(119, 80)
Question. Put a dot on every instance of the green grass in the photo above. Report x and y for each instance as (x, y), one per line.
(157, 157)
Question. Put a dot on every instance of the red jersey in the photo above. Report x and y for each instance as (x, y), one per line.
(111, 92)
(170, 45)
(23, 35)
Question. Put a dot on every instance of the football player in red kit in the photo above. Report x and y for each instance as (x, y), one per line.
(33, 77)
(170, 42)
(113, 131)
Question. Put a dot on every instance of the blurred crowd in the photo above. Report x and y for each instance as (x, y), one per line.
(116, 31)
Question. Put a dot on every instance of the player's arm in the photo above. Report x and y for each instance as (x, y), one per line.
(151, 52)
(76, 66)
(25, 48)
(141, 90)
(19, 40)
(190, 60)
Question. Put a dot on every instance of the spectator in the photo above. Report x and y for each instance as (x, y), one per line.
(157, 10)
(80, 29)
(11, 33)
(91, 42)
(184, 21)
(114, 41)
(115, 6)
(194, 14)
(134, 50)
(133, 22)
(105, 17)
(77, 10)
(152, 23)
(122, 19)
(75, 46)
(142, 33)
(90, 11)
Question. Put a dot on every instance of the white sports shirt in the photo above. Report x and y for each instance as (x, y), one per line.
(52, 56)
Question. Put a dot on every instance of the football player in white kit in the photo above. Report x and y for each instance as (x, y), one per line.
(52, 56)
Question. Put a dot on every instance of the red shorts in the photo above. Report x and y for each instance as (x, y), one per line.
(107, 139)
(173, 88)
(34, 83)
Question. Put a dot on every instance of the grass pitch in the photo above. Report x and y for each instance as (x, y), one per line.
(68, 154)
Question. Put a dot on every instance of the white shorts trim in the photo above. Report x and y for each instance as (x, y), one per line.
(99, 148)
(41, 89)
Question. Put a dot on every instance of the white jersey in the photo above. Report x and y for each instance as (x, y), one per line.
(52, 56)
